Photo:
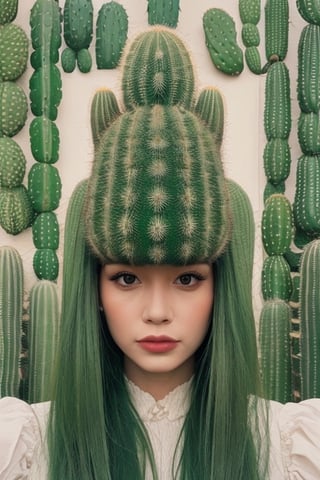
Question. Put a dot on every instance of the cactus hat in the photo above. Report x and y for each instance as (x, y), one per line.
(157, 192)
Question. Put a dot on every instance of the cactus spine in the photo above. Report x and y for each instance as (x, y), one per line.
(43, 332)
(11, 303)
(44, 182)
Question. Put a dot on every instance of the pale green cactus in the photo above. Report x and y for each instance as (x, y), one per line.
(11, 305)
(210, 108)
(104, 110)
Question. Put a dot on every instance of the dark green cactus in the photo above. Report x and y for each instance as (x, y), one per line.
(277, 225)
(306, 205)
(277, 113)
(84, 60)
(104, 110)
(44, 140)
(44, 187)
(276, 29)
(45, 91)
(46, 264)
(221, 41)
(276, 278)
(163, 12)
(43, 335)
(250, 35)
(68, 60)
(309, 10)
(8, 11)
(309, 133)
(45, 25)
(274, 339)
(271, 189)
(111, 34)
(16, 212)
(308, 88)
(277, 160)
(158, 69)
(210, 108)
(12, 163)
(253, 60)
(309, 318)
(45, 231)
(250, 11)
(13, 52)
(11, 303)
(13, 108)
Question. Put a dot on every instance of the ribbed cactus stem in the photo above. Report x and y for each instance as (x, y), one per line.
(276, 278)
(158, 69)
(309, 318)
(274, 339)
(210, 108)
(43, 333)
(276, 29)
(11, 307)
(163, 12)
(277, 225)
(104, 110)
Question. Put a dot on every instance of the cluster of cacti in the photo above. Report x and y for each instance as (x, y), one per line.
(16, 212)
(163, 12)
(161, 100)
(43, 333)
(250, 11)
(277, 220)
(221, 41)
(111, 34)
(78, 29)
(44, 182)
(11, 307)
(306, 201)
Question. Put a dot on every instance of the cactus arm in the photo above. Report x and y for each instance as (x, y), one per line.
(210, 108)
(276, 29)
(163, 12)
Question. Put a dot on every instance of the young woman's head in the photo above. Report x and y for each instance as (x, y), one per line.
(166, 250)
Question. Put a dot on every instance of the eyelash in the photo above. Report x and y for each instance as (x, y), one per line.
(196, 275)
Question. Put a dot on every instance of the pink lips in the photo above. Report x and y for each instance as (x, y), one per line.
(158, 344)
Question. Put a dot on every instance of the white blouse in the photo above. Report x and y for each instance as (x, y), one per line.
(294, 435)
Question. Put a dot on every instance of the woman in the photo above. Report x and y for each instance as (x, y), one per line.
(157, 376)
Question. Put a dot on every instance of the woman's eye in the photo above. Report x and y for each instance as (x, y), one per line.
(124, 279)
(188, 279)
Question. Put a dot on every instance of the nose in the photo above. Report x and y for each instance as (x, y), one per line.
(157, 308)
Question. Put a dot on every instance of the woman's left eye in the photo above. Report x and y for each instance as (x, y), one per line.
(188, 279)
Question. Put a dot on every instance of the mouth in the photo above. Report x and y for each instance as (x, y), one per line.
(158, 344)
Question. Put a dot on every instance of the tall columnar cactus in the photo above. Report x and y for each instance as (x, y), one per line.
(44, 182)
(276, 29)
(210, 108)
(11, 304)
(221, 41)
(250, 16)
(158, 70)
(111, 34)
(104, 110)
(274, 331)
(78, 30)
(43, 333)
(309, 317)
(163, 12)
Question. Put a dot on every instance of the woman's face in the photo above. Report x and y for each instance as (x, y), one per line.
(158, 316)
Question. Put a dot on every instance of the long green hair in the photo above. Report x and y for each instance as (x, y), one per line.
(94, 432)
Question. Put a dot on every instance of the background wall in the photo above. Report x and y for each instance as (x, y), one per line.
(244, 102)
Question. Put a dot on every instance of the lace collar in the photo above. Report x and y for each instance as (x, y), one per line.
(173, 406)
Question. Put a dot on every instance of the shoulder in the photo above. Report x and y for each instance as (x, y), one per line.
(295, 438)
(22, 429)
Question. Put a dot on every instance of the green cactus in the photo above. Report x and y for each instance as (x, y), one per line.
(309, 318)
(277, 112)
(111, 34)
(308, 87)
(271, 189)
(306, 206)
(277, 160)
(274, 339)
(45, 231)
(44, 186)
(12, 163)
(104, 110)
(210, 108)
(78, 30)
(277, 225)
(45, 22)
(309, 10)
(163, 12)
(8, 11)
(45, 91)
(44, 140)
(250, 35)
(276, 29)
(16, 212)
(13, 52)
(158, 70)
(276, 278)
(253, 60)
(221, 41)
(11, 303)
(46, 264)
(13, 108)
(250, 11)
(309, 133)
(43, 335)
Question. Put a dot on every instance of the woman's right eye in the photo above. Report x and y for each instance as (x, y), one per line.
(125, 279)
